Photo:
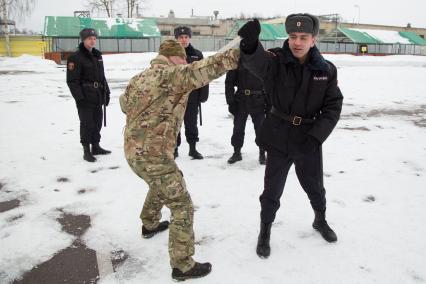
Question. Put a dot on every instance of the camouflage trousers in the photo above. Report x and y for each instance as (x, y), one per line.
(167, 187)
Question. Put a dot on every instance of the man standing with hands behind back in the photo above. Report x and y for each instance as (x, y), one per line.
(183, 36)
(306, 105)
(87, 83)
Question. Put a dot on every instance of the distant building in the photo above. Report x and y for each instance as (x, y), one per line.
(200, 25)
(329, 24)
(115, 35)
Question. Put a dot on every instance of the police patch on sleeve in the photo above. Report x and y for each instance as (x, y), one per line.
(71, 66)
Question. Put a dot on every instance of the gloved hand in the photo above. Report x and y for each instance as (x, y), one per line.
(107, 100)
(233, 108)
(309, 146)
(250, 33)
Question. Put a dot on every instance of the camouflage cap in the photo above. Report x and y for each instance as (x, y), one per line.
(171, 47)
(302, 23)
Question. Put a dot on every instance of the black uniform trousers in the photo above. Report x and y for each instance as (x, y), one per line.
(90, 124)
(240, 119)
(309, 173)
(190, 120)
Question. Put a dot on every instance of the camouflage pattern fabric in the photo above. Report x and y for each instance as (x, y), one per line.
(154, 103)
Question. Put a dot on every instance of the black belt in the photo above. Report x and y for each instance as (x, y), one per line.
(94, 84)
(250, 92)
(293, 119)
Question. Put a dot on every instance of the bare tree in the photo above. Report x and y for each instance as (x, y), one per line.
(16, 8)
(132, 5)
(125, 7)
(101, 5)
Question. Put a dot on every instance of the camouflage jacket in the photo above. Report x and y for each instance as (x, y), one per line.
(155, 102)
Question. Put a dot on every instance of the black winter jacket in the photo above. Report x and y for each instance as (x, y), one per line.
(245, 81)
(309, 91)
(86, 77)
(201, 94)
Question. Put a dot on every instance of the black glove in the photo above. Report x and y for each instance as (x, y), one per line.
(233, 108)
(107, 100)
(309, 146)
(250, 34)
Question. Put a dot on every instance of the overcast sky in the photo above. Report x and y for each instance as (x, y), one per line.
(391, 12)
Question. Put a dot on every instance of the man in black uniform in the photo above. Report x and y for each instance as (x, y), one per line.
(196, 97)
(306, 105)
(249, 99)
(87, 83)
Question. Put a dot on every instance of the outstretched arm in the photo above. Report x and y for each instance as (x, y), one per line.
(185, 78)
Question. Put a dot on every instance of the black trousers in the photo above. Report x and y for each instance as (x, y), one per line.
(90, 124)
(309, 173)
(240, 119)
(190, 120)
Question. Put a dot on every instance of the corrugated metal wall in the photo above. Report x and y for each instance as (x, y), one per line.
(37, 45)
(109, 45)
(33, 45)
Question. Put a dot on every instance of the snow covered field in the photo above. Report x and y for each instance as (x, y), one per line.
(375, 176)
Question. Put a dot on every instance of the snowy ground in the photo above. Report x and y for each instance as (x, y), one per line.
(375, 177)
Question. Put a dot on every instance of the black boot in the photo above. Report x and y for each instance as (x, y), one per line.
(150, 233)
(320, 224)
(236, 156)
(194, 153)
(176, 153)
(87, 154)
(199, 270)
(98, 150)
(262, 157)
(263, 249)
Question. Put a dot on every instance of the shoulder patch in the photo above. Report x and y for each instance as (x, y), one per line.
(71, 66)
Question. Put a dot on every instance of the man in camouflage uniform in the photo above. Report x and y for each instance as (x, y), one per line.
(154, 103)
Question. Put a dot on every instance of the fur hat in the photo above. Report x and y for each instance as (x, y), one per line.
(171, 47)
(85, 33)
(302, 23)
(182, 30)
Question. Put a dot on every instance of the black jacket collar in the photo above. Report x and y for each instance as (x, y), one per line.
(84, 50)
(315, 60)
(190, 50)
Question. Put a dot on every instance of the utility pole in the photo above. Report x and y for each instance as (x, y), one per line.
(6, 27)
(336, 18)
(359, 13)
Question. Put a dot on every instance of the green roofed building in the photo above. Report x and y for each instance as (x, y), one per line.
(374, 36)
(268, 31)
(66, 27)
(115, 35)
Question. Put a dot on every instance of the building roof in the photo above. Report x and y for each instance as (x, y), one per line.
(105, 27)
(267, 32)
(194, 21)
(369, 36)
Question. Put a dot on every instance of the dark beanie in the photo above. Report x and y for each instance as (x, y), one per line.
(85, 33)
(182, 30)
(302, 23)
